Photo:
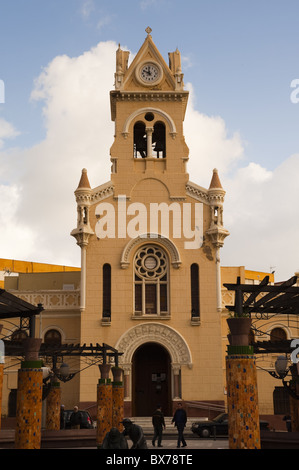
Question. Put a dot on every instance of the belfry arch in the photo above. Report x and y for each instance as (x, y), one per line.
(161, 335)
(156, 111)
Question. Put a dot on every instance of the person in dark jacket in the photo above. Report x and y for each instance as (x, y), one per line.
(76, 418)
(114, 439)
(179, 419)
(62, 417)
(135, 433)
(158, 423)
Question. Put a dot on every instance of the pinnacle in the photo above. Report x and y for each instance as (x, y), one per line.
(84, 182)
(215, 181)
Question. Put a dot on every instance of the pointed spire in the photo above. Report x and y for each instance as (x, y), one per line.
(84, 182)
(215, 181)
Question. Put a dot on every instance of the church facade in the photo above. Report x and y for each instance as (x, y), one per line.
(150, 282)
(150, 242)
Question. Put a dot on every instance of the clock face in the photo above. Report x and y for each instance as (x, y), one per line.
(150, 73)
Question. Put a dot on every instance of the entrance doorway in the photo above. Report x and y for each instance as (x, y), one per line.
(151, 383)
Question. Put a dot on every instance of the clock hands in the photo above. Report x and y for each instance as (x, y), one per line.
(149, 73)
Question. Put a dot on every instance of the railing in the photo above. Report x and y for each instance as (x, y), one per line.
(206, 406)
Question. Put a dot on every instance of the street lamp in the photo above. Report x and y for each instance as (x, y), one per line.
(49, 375)
(281, 371)
(63, 373)
(281, 366)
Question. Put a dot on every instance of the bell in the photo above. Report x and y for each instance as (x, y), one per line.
(159, 147)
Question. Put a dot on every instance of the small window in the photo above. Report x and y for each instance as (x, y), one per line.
(278, 334)
(195, 307)
(18, 336)
(106, 291)
(53, 338)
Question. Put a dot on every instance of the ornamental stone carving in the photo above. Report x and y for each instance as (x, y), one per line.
(152, 238)
(158, 333)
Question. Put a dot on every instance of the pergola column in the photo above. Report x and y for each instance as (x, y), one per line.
(242, 402)
(29, 398)
(242, 394)
(53, 407)
(117, 398)
(104, 404)
(1, 372)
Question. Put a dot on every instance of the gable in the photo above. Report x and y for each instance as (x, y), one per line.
(148, 53)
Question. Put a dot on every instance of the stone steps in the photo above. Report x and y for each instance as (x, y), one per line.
(146, 423)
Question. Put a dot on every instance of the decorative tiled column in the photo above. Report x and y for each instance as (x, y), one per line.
(53, 407)
(1, 387)
(242, 402)
(117, 398)
(29, 398)
(104, 404)
(1, 373)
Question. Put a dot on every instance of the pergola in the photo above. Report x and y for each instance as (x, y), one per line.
(264, 301)
(12, 306)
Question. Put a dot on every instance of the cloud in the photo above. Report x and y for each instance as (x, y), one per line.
(260, 209)
(87, 8)
(38, 209)
(7, 131)
(76, 113)
(262, 217)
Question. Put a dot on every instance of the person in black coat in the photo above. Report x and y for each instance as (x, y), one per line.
(179, 419)
(76, 418)
(114, 439)
(158, 423)
(135, 433)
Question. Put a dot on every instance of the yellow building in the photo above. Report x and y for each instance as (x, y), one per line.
(150, 239)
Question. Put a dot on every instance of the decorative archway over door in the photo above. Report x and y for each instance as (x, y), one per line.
(163, 335)
(168, 337)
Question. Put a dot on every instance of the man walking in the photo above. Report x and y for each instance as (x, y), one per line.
(158, 423)
(179, 419)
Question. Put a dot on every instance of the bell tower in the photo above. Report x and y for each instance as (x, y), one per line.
(148, 107)
(150, 244)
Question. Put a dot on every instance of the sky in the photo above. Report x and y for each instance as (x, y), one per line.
(241, 66)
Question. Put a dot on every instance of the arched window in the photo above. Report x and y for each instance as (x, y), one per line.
(140, 141)
(151, 279)
(106, 291)
(149, 139)
(52, 338)
(195, 304)
(19, 336)
(278, 334)
(159, 141)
